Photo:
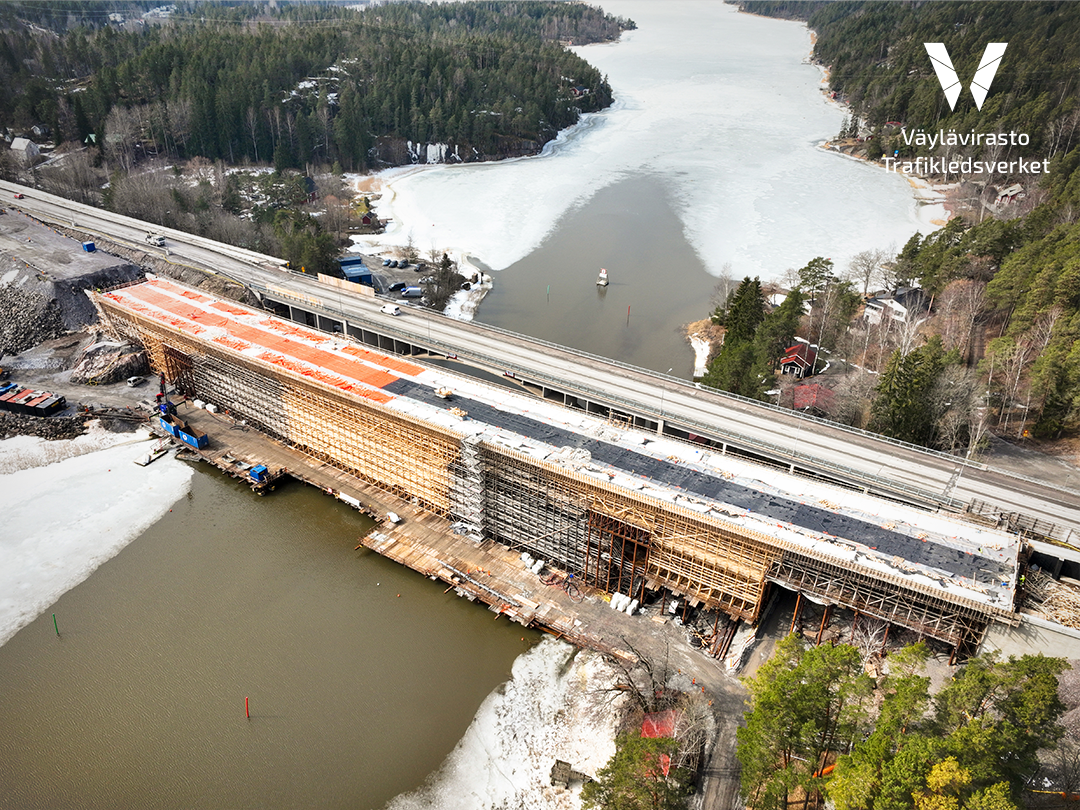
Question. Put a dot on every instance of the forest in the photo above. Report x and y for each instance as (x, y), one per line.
(821, 732)
(172, 114)
(303, 84)
(999, 348)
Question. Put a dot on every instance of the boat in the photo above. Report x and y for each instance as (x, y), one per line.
(602, 280)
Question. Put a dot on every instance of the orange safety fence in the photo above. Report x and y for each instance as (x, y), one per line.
(238, 345)
(286, 328)
(224, 307)
(318, 358)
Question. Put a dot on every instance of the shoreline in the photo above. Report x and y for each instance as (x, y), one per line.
(935, 193)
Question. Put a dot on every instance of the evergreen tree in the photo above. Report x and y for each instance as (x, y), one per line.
(777, 330)
(805, 701)
(736, 368)
(903, 407)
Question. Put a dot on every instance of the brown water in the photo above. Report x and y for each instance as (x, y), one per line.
(361, 674)
(630, 229)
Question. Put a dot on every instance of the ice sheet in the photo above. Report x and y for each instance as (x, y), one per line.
(68, 507)
(725, 109)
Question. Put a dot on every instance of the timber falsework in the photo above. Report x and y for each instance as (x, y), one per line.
(611, 536)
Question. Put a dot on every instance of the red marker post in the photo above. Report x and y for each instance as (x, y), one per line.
(247, 710)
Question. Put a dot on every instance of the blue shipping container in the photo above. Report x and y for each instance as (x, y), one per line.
(259, 473)
(89, 247)
(198, 442)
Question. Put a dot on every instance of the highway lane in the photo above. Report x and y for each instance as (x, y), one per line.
(780, 434)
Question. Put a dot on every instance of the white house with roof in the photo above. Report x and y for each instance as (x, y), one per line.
(25, 148)
(904, 305)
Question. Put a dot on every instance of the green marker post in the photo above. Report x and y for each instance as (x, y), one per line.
(55, 626)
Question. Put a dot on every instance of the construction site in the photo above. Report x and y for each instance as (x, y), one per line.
(620, 510)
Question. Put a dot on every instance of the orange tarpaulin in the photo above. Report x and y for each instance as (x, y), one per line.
(167, 303)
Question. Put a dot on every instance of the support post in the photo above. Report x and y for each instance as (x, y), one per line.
(795, 616)
(824, 623)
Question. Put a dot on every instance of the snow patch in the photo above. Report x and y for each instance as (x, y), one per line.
(555, 706)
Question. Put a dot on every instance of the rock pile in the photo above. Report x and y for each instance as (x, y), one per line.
(108, 362)
(47, 427)
(27, 317)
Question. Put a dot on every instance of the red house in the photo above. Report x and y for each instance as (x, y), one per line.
(798, 360)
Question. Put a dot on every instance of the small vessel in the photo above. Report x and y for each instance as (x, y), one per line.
(602, 280)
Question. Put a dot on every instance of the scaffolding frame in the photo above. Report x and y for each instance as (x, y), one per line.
(958, 624)
(615, 538)
(404, 455)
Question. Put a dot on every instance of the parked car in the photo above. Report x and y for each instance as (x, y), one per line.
(136, 381)
(393, 263)
(385, 262)
(403, 263)
(390, 309)
(412, 292)
(397, 286)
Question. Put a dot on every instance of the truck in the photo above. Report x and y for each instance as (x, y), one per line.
(155, 239)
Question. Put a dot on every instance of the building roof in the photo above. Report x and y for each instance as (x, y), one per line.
(23, 144)
(801, 354)
(948, 555)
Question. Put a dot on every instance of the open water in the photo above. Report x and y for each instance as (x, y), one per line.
(360, 675)
(708, 163)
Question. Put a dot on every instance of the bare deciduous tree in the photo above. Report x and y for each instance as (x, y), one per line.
(122, 130)
(865, 269)
(958, 309)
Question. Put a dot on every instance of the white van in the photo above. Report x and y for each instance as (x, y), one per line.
(390, 309)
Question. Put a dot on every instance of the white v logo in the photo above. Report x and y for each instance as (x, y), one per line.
(950, 82)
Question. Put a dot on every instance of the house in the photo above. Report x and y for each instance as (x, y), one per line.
(798, 360)
(26, 149)
(1013, 192)
(369, 219)
(905, 305)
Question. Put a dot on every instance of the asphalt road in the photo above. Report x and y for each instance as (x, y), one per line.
(907, 471)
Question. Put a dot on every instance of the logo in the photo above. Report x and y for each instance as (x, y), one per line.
(950, 82)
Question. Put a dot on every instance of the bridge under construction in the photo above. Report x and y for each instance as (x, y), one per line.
(623, 510)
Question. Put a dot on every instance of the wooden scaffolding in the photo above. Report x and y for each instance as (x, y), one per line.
(613, 538)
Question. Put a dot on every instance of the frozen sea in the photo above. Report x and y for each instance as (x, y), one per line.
(726, 111)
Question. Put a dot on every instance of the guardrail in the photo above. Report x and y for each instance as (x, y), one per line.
(530, 374)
